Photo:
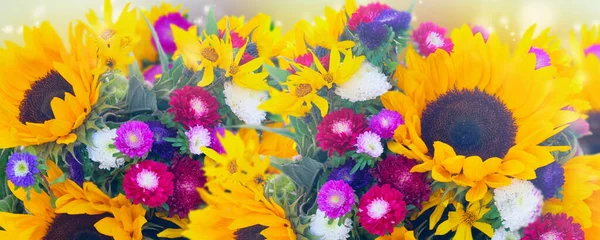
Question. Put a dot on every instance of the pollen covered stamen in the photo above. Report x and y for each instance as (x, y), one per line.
(469, 218)
(210, 54)
(234, 69)
(35, 106)
(303, 89)
(328, 77)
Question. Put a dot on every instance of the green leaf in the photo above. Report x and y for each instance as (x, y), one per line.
(277, 73)
(8, 204)
(139, 98)
(211, 22)
(60, 179)
(303, 173)
(164, 59)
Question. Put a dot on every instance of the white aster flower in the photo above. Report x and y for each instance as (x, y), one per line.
(502, 234)
(519, 204)
(100, 150)
(366, 84)
(244, 103)
(198, 137)
(320, 227)
(369, 143)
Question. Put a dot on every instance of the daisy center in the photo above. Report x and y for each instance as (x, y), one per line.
(234, 69)
(210, 53)
(147, 180)
(21, 168)
(107, 33)
(594, 49)
(35, 106)
(341, 127)
(302, 90)
(232, 167)
(435, 40)
(542, 58)
(199, 107)
(552, 235)
(471, 121)
(328, 77)
(378, 208)
(469, 218)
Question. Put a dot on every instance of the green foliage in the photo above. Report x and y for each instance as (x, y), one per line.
(4, 155)
(176, 77)
(564, 138)
(164, 59)
(210, 26)
(362, 161)
(303, 173)
(140, 99)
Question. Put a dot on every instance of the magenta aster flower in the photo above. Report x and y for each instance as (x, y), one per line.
(395, 170)
(215, 144)
(192, 106)
(134, 139)
(429, 37)
(480, 29)
(339, 130)
(188, 177)
(380, 209)
(385, 123)
(163, 30)
(302, 59)
(366, 14)
(553, 226)
(148, 182)
(335, 198)
(152, 73)
(237, 41)
(369, 143)
(593, 49)
(542, 59)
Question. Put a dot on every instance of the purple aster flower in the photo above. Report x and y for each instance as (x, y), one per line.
(335, 198)
(215, 144)
(542, 58)
(358, 179)
(163, 30)
(134, 139)
(369, 143)
(549, 179)
(75, 167)
(198, 137)
(372, 34)
(161, 147)
(152, 73)
(385, 123)
(20, 169)
(399, 21)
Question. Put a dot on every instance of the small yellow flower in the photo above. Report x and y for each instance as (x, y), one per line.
(244, 75)
(462, 220)
(297, 101)
(338, 71)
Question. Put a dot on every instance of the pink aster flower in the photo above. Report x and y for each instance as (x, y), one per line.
(339, 130)
(163, 30)
(134, 139)
(380, 209)
(395, 170)
(148, 182)
(335, 198)
(429, 37)
(194, 106)
(188, 177)
(553, 226)
(369, 143)
(237, 41)
(385, 123)
(366, 14)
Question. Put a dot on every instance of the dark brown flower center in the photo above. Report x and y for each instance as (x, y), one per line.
(303, 89)
(75, 227)
(250, 233)
(35, 107)
(210, 53)
(473, 122)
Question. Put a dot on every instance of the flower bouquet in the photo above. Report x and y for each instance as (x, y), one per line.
(356, 125)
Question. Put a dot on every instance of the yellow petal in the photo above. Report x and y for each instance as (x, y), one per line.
(511, 167)
(496, 180)
(453, 164)
(67, 139)
(440, 174)
(485, 228)
(477, 192)
(473, 168)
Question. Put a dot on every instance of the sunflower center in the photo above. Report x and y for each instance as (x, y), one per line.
(542, 59)
(378, 208)
(232, 167)
(435, 40)
(594, 49)
(328, 77)
(21, 168)
(259, 179)
(469, 218)
(471, 121)
(250, 233)
(210, 53)
(147, 180)
(35, 107)
(107, 33)
(76, 227)
(303, 89)
(234, 69)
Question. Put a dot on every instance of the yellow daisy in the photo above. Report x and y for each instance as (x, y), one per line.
(581, 194)
(47, 92)
(462, 220)
(297, 100)
(244, 74)
(586, 56)
(338, 71)
(440, 201)
(106, 29)
(326, 31)
(145, 50)
(479, 108)
(79, 212)
(236, 211)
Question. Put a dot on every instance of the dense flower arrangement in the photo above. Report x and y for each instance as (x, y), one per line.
(357, 125)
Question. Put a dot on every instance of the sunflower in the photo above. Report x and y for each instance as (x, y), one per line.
(580, 194)
(145, 50)
(47, 92)
(236, 211)
(203, 56)
(79, 212)
(479, 108)
(587, 63)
